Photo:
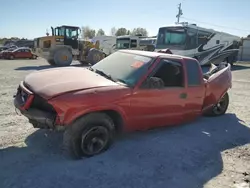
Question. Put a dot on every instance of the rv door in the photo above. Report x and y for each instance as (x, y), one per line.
(133, 43)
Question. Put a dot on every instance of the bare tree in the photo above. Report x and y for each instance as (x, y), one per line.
(100, 32)
(87, 32)
(121, 31)
(139, 30)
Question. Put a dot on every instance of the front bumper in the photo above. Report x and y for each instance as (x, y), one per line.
(23, 102)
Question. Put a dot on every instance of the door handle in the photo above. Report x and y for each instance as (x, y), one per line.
(183, 95)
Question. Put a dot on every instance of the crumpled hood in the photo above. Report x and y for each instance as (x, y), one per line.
(55, 81)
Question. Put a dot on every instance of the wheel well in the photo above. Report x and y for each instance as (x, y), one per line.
(117, 119)
(114, 115)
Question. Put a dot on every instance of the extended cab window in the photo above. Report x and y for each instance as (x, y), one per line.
(193, 73)
(169, 73)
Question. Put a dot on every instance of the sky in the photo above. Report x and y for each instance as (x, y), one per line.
(31, 18)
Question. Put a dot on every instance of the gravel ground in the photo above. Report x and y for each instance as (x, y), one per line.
(211, 152)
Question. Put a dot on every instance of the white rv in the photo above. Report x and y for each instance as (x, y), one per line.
(206, 45)
(148, 41)
(136, 42)
(107, 43)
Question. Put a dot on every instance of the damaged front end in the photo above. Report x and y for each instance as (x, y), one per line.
(40, 113)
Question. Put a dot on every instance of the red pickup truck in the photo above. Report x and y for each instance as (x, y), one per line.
(126, 91)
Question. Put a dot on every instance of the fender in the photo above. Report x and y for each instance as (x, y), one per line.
(74, 114)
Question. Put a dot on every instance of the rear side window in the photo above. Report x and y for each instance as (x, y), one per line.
(193, 73)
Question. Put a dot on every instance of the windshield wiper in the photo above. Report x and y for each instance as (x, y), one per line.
(122, 81)
(104, 74)
(90, 68)
(108, 76)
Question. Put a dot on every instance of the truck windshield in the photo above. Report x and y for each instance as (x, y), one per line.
(122, 43)
(171, 36)
(124, 67)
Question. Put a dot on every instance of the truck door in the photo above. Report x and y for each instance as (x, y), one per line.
(195, 89)
(153, 107)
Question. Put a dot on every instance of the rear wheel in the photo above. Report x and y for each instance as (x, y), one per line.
(94, 56)
(231, 60)
(220, 108)
(89, 136)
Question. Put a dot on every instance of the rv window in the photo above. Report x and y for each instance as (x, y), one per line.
(133, 43)
(202, 37)
(193, 73)
(175, 38)
(167, 36)
(204, 33)
(217, 41)
(191, 42)
(122, 43)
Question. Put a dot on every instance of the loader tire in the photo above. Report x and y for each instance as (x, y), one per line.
(61, 57)
(94, 56)
(51, 62)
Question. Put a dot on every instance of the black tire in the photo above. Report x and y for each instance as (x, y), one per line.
(57, 57)
(94, 56)
(75, 136)
(51, 62)
(231, 60)
(220, 108)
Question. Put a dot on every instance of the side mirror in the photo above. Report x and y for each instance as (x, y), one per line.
(153, 83)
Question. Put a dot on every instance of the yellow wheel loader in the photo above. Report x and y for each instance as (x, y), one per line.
(64, 46)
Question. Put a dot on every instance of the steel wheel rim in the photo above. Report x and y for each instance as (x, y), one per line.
(94, 140)
(220, 107)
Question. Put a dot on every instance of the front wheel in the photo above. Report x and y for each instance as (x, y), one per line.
(60, 57)
(90, 135)
(220, 108)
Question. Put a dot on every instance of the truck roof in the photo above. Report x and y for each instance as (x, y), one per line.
(154, 54)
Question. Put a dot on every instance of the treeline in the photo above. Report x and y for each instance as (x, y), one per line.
(89, 33)
(14, 39)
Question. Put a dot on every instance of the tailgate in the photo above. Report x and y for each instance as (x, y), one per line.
(217, 85)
